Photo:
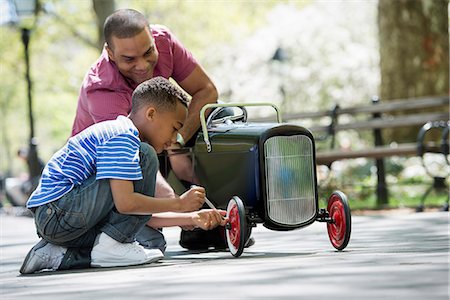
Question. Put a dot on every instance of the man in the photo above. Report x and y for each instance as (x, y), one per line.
(134, 52)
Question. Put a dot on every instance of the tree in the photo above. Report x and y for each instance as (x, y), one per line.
(102, 8)
(414, 51)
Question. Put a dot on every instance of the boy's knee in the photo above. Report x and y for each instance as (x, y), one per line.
(148, 151)
(151, 238)
(149, 167)
(148, 155)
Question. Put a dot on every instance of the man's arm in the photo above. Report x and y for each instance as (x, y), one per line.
(163, 188)
(203, 91)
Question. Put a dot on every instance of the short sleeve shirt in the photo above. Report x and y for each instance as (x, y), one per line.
(108, 150)
(105, 93)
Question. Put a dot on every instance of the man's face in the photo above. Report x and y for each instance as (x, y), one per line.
(161, 127)
(135, 57)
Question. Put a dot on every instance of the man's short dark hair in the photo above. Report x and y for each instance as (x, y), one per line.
(159, 92)
(124, 23)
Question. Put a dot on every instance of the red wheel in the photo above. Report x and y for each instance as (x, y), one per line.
(340, 226)
(235, 229)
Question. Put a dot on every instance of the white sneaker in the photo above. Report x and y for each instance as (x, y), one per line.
(108, 252)
(43, 256)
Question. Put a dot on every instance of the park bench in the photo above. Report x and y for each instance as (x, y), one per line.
(373, 118)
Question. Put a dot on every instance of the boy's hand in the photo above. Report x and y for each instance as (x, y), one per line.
(193, 199)
(208, 219)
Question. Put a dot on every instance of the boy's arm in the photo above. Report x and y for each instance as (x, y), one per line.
(129, 202)
(205, 219)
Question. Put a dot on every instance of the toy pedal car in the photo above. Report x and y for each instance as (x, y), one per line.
(263, 173)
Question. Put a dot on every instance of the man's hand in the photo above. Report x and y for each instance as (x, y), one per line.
(193, 199)
(208, 219)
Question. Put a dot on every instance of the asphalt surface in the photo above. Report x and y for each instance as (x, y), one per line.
(395, 256)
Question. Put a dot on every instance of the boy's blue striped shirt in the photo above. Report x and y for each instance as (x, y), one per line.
(107, 150)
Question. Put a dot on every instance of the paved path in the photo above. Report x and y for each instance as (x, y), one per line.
(389, 257)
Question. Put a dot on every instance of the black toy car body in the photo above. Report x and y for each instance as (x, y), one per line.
(263, 173)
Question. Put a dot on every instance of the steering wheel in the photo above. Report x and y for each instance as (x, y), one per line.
(226, 115)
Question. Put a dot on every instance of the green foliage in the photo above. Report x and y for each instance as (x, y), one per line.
(357, 178)
(58, 62)
(12, 87)
(393, 168)
(200, 24)
(61, 51)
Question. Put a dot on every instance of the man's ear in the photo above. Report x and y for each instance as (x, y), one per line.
(110, 52)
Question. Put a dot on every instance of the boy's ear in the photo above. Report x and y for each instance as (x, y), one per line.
(150, 113)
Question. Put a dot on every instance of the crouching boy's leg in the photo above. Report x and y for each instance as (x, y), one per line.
(68, 226)
(85, 225)
(151, 238)
(116, 245)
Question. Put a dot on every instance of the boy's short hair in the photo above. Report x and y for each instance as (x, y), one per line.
(123, 23)
(159, 92)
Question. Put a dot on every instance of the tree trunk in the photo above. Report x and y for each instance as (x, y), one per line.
(102, 8)
(414, 52)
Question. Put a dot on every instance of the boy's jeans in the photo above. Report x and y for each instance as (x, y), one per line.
(75, 220)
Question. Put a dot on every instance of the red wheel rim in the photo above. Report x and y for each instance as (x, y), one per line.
(234, 231)
(337, 229)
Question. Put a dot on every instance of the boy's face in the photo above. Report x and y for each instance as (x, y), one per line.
(161, 126)
(135, 57)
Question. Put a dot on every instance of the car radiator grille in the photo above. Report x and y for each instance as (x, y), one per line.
(290, 179)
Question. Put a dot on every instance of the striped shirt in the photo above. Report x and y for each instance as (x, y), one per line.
(107, 149)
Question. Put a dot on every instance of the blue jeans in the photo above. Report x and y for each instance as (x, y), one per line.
(75, 220)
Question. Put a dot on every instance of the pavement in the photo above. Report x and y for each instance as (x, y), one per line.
(390, 256)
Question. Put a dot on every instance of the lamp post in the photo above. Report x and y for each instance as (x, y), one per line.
(23, 14)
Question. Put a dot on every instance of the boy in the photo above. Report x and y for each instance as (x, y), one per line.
(96, 193)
